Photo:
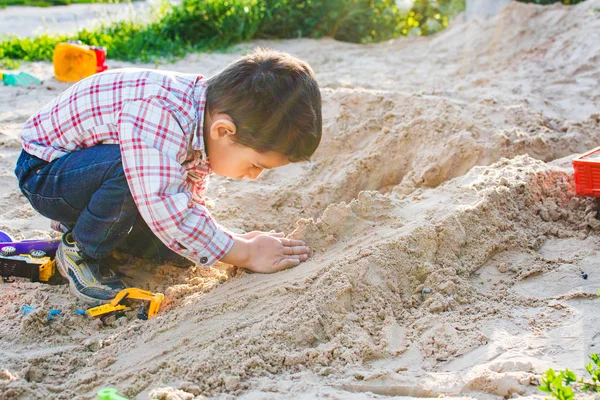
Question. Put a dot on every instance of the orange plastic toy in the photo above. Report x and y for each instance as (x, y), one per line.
(74, 61)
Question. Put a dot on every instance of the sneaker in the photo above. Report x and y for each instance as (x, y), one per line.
(83, 274)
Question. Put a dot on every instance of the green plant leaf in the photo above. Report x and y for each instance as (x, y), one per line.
(569, 377)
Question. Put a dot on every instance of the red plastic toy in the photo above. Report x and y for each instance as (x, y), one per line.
(587, 173)
(100, 58)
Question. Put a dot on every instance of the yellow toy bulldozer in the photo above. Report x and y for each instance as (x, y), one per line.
(146, 311)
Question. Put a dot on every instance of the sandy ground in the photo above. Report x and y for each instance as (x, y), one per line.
(449, 245)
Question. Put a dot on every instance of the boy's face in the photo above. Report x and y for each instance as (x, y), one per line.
(232, 160)
(235, 161)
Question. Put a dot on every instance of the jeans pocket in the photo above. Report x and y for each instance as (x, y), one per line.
(54, 208)
(26, 166)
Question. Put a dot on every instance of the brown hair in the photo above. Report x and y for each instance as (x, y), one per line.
(274, 101)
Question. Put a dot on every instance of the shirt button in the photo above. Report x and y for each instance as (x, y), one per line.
(203, 260)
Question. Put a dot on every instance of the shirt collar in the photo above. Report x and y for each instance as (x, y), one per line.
(200, 99)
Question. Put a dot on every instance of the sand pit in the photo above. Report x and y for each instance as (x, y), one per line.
(448, 241)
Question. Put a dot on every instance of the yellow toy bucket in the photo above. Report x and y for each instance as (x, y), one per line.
(74, 61)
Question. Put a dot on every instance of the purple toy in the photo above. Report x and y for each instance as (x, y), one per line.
(48, 246)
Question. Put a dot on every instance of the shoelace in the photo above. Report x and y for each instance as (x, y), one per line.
(84, 258)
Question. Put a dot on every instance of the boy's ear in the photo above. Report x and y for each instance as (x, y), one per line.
(222, 126)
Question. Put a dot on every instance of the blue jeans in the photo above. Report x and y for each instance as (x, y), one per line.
(87, 191)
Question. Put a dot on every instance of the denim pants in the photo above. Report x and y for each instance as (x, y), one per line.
(87, 191)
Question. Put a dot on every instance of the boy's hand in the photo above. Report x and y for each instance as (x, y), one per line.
(271, 254)
(266, 252)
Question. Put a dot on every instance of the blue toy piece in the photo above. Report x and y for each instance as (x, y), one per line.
(19, 79)
(53, 313)
(26, 310)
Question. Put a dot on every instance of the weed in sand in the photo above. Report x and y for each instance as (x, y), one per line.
(560, 384)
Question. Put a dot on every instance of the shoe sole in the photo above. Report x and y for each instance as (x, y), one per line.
(73, 289)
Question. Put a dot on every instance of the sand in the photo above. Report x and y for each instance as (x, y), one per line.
(448, 242)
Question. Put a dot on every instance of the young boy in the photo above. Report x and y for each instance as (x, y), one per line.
(122, 159)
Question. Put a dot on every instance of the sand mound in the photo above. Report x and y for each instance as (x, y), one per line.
(448, 245)
(399, 292)
(388, 141)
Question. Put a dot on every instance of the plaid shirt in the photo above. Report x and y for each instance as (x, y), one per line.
(157, 119)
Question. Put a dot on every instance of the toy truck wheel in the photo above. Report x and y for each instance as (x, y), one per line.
(8, 251)
(37, 253)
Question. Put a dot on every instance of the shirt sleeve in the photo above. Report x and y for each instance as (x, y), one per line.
(151, 142)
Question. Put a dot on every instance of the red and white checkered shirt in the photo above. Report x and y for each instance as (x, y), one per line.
(157, 119)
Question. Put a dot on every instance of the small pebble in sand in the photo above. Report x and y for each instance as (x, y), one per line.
(584, 275)
(232, 382)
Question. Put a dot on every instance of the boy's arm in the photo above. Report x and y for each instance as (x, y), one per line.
(151, 141)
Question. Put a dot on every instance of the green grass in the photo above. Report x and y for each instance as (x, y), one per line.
(210, 25)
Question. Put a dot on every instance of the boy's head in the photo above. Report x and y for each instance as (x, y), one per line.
(263, 110)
